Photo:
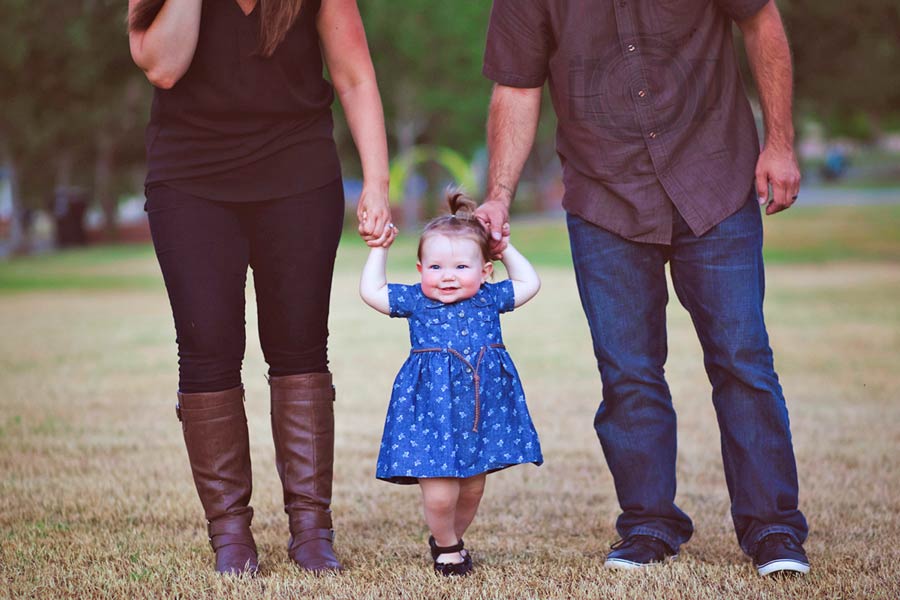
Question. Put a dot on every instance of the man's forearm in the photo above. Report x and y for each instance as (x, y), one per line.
(512, 124)
(770, 60)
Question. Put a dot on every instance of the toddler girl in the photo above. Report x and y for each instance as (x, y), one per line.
(457, 411)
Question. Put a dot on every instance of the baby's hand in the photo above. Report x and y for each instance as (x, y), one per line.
(391, 235)
(499, 246)
(525, 280)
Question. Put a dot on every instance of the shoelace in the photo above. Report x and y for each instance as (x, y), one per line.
(780, 539)
(631, 540)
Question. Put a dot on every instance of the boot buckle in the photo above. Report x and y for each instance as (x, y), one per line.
(178, 411)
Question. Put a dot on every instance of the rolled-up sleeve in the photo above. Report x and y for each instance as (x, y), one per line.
(518, 44)
(741, 9)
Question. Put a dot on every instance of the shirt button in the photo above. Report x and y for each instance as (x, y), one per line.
(642, 93)
(464, 332)
(631, 47)
(468, 370)
(462, 314)
(652, 135)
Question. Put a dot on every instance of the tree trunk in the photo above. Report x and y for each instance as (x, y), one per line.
(406, 131)
(64, 169)
(18, 236)
(103, 168)
(407, 127)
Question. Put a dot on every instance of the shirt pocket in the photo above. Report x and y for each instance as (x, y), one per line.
(673, 20)
(436, 320)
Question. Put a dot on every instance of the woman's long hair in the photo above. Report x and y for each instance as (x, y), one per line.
(276, 17)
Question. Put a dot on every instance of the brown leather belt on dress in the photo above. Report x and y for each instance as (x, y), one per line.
(476, 379)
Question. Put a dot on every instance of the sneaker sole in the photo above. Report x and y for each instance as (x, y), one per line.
(777, 566)
(618, 563)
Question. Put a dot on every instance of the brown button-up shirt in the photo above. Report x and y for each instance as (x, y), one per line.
(651, 110)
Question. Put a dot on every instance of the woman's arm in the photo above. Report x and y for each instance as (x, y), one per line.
(526, 282)
(373, 283)
(350, 66)
(164, 50)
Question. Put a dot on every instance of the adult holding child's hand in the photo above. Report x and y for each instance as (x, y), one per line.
(243, 172)
(511, 129)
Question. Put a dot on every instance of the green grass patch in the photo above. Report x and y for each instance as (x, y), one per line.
(819, 234)
(112, 267)
(801, 235)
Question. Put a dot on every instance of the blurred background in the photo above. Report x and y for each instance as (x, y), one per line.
(74, 108)
(97, 496)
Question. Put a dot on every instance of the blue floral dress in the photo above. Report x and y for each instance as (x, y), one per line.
(457, 408)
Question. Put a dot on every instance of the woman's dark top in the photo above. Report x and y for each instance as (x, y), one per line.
(239, 127)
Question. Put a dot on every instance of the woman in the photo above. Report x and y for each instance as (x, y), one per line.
(243, 171)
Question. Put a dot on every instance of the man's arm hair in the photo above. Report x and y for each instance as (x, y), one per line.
(511, 128)
(770, 61)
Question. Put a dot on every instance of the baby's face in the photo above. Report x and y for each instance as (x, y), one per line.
(452, 268)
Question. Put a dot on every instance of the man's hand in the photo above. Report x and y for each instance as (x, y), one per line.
(770, 60)
(779, 168)
(494, 217)
(374, 214)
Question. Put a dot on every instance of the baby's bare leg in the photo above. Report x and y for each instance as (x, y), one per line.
(470, 491)
(440, 496)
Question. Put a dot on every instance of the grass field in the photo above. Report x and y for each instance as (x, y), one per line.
(97, 500)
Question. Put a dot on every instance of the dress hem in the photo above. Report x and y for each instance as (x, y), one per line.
(411, 480)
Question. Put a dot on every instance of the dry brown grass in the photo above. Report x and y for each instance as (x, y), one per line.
(98, 502)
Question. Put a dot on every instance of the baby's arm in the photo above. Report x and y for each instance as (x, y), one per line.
(373, 283)
(526, 282)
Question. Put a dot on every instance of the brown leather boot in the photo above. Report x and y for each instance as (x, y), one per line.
(303, 428)
(215, 433)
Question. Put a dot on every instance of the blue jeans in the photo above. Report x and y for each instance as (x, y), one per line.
(719, 279)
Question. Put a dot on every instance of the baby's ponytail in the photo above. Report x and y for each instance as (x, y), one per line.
(461, 206)
(460, 222)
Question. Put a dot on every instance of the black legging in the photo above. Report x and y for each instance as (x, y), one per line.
(204, 248)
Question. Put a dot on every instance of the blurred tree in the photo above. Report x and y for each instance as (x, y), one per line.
(428, 58)
(71, 97)
(846, 61)
(73, 104)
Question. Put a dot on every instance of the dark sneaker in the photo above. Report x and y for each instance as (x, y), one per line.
(638, 551)
(779, 552)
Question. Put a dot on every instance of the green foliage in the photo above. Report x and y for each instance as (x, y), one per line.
(846, 61)
(66, 71)
(402, 165)
(428, 56)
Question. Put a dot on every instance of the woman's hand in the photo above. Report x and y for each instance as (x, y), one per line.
(374, 214)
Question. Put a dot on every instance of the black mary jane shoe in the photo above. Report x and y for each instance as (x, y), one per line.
(450, 569)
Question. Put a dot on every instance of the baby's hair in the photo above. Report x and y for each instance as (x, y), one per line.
(461, 222)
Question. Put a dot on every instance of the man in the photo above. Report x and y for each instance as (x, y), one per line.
(661, 163)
